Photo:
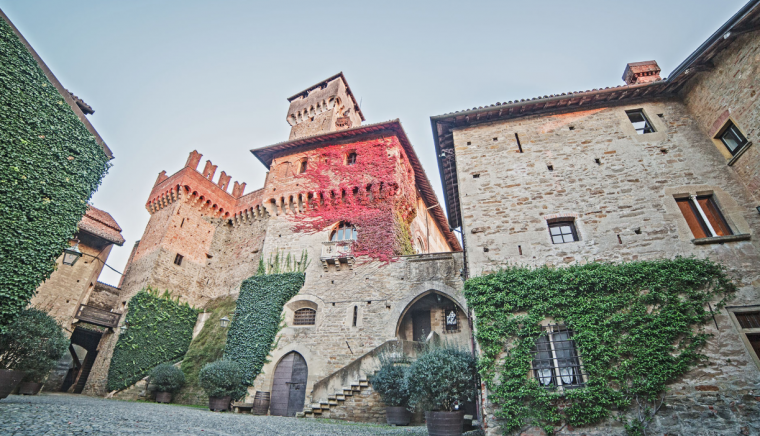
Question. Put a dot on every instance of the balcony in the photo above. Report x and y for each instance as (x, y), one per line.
(97, 316)
(335, 252)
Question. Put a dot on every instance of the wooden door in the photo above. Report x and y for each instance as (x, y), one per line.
(289, 387)
(420, 325)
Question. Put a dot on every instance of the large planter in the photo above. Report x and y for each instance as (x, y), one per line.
(260, 403)
(219, 404)
(8, 381)
(444, 423)
(29, 388)
(397, 415)
(163, 397)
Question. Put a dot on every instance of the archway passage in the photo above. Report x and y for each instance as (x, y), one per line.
(83, 349)
(289, 387)
(435, 313)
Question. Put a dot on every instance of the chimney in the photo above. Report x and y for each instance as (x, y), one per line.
(209, 170)
(641, 72)
(193, 159)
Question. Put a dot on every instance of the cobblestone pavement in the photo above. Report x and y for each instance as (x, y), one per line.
(65, 414)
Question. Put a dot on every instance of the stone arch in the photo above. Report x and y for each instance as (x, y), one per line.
(420, 291)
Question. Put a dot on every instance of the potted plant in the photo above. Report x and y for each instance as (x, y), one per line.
(439, 382)
(166, 379)
(223, 382)
(391, 384)
(32, 344)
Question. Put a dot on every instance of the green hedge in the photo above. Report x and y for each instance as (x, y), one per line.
(159, 331)
(50, 167)
(257, 319)
(638, 327)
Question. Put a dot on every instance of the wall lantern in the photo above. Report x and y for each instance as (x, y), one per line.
(71, 255)
(225, 322)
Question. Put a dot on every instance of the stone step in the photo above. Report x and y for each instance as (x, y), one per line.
(363, 383)
(331, 397)
(340, 397)
(332, 402)
(347, 391)
(300, 414)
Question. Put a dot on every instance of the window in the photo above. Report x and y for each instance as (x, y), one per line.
(563, 231)
(305, 316)
(419, 246)
(356, 314)
(732, 138)
(749, 327)
(302, 166)
(556, 363)
(703, 216)
(640, 122)
(344, 232)
(178, 259)
(351, 159)
(451, 320)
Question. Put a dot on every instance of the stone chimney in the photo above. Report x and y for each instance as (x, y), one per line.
(641, 72)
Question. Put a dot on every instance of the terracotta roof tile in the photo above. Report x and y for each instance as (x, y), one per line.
(101, 223)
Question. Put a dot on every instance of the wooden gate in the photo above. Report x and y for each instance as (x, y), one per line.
(289, 387)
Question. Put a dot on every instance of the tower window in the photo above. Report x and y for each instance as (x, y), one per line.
(703, 216)
(178, 259)
(356, 315)
(732, 138)
(302, 166)
(344, 232)
(305, 316)
(563, 231)
(640, 121)
(351, 159)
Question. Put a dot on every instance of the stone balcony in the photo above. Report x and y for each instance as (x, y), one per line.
(337, 252)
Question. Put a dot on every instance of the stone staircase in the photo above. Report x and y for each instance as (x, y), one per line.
(337, 399)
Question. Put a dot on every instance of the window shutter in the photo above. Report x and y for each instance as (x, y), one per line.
(714, 216)
(697, 226)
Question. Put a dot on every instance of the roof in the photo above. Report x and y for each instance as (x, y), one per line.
(745, 20)
(305, 92)
(266, 155)
(67, 96)
(101, 223)
(84, 107)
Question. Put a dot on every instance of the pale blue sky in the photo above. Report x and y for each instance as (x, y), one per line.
(167, 77)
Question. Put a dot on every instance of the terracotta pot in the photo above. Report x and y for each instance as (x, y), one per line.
(29, 388)
(163, 397)
(397, 415)
(444, 423)
(260, 403)
(8, 381)
(219, 404)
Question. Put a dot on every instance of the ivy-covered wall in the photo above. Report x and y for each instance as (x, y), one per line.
(50, 167)
(159, 330)
(257, 319)
(638, 327)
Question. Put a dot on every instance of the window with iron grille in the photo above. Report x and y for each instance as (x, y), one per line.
(640, 121)
(562, 232)
(732, 138)
(305, 316)
(556, 362)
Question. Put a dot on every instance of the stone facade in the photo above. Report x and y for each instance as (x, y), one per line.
(578, 158)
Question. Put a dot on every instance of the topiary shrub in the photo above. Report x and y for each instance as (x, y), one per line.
(33, 343)
(390, 382)
(222, 378)
(441, 378)
(166, 378)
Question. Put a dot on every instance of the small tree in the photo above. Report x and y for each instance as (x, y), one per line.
(33, 343)
(166, 378)
(441, 378)
(222, 378)
(390, 382)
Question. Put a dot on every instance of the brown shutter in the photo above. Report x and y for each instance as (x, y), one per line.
(714, 216)
(754, 341)
(692, 216)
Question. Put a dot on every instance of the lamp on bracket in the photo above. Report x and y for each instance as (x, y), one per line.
(72, 254)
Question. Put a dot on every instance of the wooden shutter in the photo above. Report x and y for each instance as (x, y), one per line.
(754, 341)
(714, 216)
(690, 212)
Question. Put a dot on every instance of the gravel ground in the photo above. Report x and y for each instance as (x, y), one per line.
(65, 414)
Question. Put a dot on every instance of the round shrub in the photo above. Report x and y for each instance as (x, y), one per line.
(391, 384)
(33, 343)
(167, 378)
(222, 378)
(440, 378)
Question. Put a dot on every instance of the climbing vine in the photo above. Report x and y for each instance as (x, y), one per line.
(638, 326)
(159, 330)
(257, 319)
(376, 194)
(50, 167)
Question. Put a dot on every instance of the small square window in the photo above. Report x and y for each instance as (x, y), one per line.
(178, 259)
(302, 166)
(351, 159)
(732, 138)
(562, 232)
(640, 122)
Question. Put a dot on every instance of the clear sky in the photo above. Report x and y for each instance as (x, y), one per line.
(167, 77)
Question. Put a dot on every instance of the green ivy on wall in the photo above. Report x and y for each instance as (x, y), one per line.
(159, 330)
(50, 167)
(257, 319)
(638, 326)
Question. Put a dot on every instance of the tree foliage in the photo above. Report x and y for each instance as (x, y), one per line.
(390, 383)
(33, 343)
(223, 378)
(638, 326)
(166, 378)
(50, 167)
(441, 378)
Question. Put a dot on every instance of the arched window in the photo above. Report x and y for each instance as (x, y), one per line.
(419, 246)
(305, 316)
(351, 159)
(302, 166)
(343, 232)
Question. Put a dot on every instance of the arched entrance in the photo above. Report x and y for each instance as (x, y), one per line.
(433, 312)
(289, 387)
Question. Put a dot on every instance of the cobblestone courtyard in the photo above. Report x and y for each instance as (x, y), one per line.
(63, 414)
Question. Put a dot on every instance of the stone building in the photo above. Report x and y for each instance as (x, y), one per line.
(385, 266)
(652, 169)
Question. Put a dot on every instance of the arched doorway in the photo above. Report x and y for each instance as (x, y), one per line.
(289, 387)
(436, 313)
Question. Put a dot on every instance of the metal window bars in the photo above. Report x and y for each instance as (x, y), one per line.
(305, 316)
(556, 362)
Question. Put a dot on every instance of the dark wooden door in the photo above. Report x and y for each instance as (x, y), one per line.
(420, 325)
(289, 387)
